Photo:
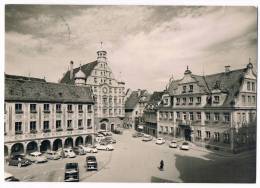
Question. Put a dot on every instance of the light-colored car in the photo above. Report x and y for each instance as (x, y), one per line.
(173, 144)
(160, 141)
(100, 137)
(185, 146)
(37, 157)
(107, 147)
(147, 138)
(91, 149)
(68, 152)
(52, 155)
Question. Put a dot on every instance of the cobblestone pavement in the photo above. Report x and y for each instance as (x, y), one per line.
(137, 161)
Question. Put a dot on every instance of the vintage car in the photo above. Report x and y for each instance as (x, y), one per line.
(173, 144)
(52, 155)
(71, 172)
(160, 141)
(107, 147)
(37, 157)
(18, 160)
(147, 138)
(79, 151)
(10, 177)
(185, 146)
(91, 163)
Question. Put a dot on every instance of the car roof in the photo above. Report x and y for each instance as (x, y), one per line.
(36, 153)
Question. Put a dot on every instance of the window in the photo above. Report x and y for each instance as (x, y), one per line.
(198, 100)
(110, 112)
(80, 123)
(248, 86)
(89, 109)
(110, 82)
(115, 90)
(58, 124)
(166, 101)
(95, 80)
(198, 115)
(46, 107)
(226, 117)
(253, 99)
(253, 86)
(32, 125)
(33, 108)
(178, 101)
(115, 100)
(80, 109)
(69, 107)
(69, 124)
(216, 116)
(183, 89)
(191, 88)
(110, 90)
(226, 138)
(171, 115)
(119, 111)
(89, 123)
(18, 128)
(58, 108)
(249, 99)
(115, 112)
(18, 108)
(184, 116)
(95, 89)
(46, 125)
(199, 133)
(216, 99)
(136, 112)
(166, 115)
(191, 116)
(184, 101)
(208, 134)
(216, 136)
(191, 100)
(178, 115)
(243, 99)
(207, 116)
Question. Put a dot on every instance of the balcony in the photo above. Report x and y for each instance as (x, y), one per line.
(183, 91)
(33, 131)
(215, 102)
(90, 111)
(58, 111)
(19, 111)
(89, 127)
(69, 129)
(70, 111)
(80, 127)
(80, 111)
(190, 91)
(190, 103)
(198, 103)
(46, 130)
(33, 111)
(184, 103)
(46, 111)
(177, 104)
(59, 129)
(18, 132)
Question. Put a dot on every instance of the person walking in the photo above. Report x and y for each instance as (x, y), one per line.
(161, 165)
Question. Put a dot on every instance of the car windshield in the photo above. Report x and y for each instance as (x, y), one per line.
(185, 143)
(91, 158)
(173, 142)
(71, 165)
(19, 157)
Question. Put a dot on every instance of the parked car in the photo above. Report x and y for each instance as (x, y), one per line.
(91, 149)
(68, 152)
(18, 160)
(137, 134)
(79, 151)
(109, 140)
(105, 133)
(10, 177)
(173, 144)
(147, 138)
(160, 141)
(99, 137)
(52, 155)
(91, 163)
(37, 157)
(118, 131)
(71, 172)
(107, 147)
(185, 146)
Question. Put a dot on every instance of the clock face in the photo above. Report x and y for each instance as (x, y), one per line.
(104, 90)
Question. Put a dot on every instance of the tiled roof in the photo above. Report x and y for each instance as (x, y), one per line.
(134, 98)
(86, 69)
(156, 97)
(228, 82)
(34, 91)
(24, 78)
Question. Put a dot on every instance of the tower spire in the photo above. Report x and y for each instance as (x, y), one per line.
(101, 45)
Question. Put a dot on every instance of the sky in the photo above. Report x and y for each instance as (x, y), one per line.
(146, 45)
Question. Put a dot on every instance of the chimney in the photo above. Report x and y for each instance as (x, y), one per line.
(71, 70)
(227, 68)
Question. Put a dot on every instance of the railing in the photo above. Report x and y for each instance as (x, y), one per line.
(46, 111)
(80, 127)
(58, 111)
(33, 111)
(46, 130)
(33, 131)
(19, 111)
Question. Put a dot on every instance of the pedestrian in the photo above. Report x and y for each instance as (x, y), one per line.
(161, 165)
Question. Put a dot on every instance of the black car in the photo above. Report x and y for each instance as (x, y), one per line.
(18, 160)
(71, 172)
(91, 163)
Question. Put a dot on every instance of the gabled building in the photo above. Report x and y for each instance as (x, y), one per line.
(109, 94)
(216, 111)
(42, 116)
(134, 107)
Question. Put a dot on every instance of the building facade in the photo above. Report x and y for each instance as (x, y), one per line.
(42, 116)
(134, 109)
(109, 94)
(216, 111)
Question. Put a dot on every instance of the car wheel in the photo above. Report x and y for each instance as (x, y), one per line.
(19, 165)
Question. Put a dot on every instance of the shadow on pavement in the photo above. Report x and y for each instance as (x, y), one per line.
(220, 170)
(160, 180)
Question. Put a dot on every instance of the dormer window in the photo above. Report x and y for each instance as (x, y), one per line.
(184, 89)
(216, 99)
(191, 88)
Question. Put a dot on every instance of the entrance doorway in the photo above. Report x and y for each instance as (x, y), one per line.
(103, 126)
(112, 127)
(187, 134)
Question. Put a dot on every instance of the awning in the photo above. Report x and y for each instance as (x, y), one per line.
(140, 127)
